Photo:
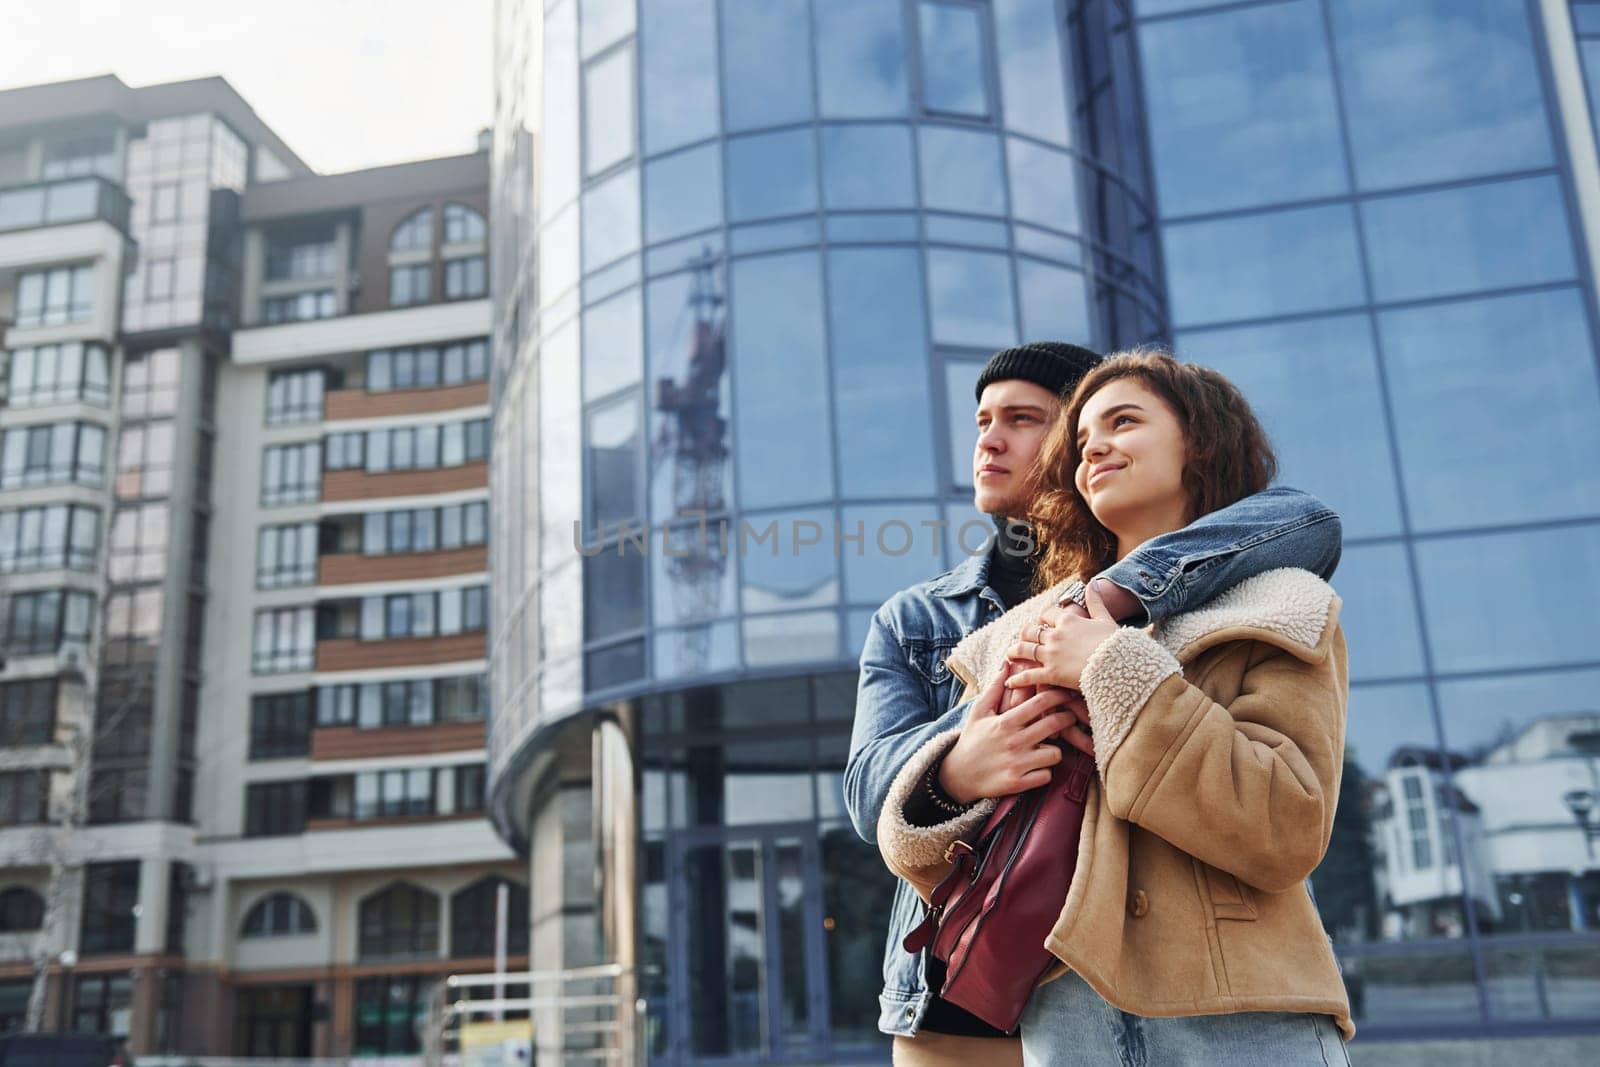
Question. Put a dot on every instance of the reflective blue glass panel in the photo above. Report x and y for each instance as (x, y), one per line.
(960, 379)
(1586, 18)
(960, 230)
(1145, 8)
(1480, 713)
(771, 174)
(611, 219)
(678, 66)
(611, 280)
(681, 254)
(1044, 185)
(771, 236)
(603, 23)
(1468, 239)
(787, 560)
(1261, 265)
(1496, 409)
(1379, 614)
(780, 381)
(1589, 50)
(558, 163)
(613, 346)
(611, 462)
(861, 68)
(954, 80)
(696, 650)
(869, 229)
(613, 593)
(683, 193)
(767, 58)
(1529, 614)
(1384, 719)
(1055, 303)
(971, 297)
(1032, 66)
(1241, 103)
(792, 637)
(867, 167)
(608, 111)
(880, 371)
(896, 549)
(690, 418)
(1047, 245)
(961, 170)
(560, 494)
(695, 572)
(1437, 90)
(1311, 383)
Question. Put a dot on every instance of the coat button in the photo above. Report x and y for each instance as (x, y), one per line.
(1138, 903)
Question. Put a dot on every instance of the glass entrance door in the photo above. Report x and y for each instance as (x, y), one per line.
(748, 971)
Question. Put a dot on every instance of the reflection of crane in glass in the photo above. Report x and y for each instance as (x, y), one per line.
(693, 437)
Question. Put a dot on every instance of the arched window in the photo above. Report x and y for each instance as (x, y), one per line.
(279, 915)
(472, 918)
(415, 233)
(400, 922)
(463, 224)
(21, 910)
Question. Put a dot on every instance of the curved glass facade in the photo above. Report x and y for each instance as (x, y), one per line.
(745, 279)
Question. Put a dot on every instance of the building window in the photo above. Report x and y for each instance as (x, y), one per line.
(279, 915)
(150, 384)
(27, 712)
(462, 224)
(119, 794)
(401, 922)
(55, 297)
(424, 529)
(471, 780)
(41, 621)
(53, 454)
(102, 1003)
(427, 366)
(273, 809)
(404, 793)
(291, 474)
(299, 307)
(21, 910)
(442, 612)
(49, 538)
(139, 543)
(954, 71)
(410, 447)
(301, 256)
(410, 283)
(24, 797)
(420, 702)
(390, 1014)
(59, 374)
(285, 640)
(295, 396)
(79, 157)
(465, 277)
(286, 556)
(280, 725)
(144, 460)
(110, 895)
(473, 915)
(414, 234)
(343, 451)
(1418, 823)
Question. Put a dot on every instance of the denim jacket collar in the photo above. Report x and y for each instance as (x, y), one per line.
(967, 577)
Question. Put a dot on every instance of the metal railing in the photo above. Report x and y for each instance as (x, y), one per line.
(25, 207)
(582, 1014)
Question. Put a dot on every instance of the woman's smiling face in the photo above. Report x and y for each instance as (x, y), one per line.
(1131, 453)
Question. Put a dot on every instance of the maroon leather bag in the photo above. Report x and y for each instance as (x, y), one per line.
(989, 918)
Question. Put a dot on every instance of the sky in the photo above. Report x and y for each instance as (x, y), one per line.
(346, 83)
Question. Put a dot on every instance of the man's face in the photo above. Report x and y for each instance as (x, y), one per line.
(1013, 418)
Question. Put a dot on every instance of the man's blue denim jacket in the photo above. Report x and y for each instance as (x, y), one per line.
(907, 694)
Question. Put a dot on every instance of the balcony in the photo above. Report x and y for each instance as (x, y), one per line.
(28, 207)
(355, 742)
(360, 404)
(359, 485)
(317, 338)
(353, 654)
(350, 568)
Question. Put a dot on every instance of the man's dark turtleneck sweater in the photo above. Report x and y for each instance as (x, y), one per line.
(1011, 568)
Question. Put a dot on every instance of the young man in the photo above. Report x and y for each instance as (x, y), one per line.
(906, 693)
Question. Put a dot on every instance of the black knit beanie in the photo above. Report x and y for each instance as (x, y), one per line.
(1055, 365)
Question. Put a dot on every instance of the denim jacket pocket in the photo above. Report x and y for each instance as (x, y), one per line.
(930, 660)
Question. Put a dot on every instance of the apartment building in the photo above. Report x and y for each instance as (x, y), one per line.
(243, 499)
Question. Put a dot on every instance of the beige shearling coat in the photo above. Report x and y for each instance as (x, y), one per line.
(1219, 737)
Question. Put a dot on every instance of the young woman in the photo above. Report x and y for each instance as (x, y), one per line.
(1187, 934)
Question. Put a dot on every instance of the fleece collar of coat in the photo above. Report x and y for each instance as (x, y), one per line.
(1290, 608)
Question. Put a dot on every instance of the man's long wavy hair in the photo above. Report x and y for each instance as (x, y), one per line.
(1227, 457)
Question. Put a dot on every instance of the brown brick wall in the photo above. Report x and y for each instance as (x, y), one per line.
(360, 404)
(351, 654)
(354, 742)
(347, 567)
(359, 485)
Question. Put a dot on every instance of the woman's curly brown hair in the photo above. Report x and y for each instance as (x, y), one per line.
(1227, 458)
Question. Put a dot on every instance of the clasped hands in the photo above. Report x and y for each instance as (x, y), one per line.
(1004, 746)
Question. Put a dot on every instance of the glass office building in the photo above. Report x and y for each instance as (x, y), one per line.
(748, 258)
